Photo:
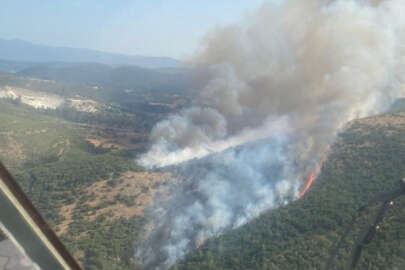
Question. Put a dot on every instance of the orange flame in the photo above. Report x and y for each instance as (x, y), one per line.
(313, 175)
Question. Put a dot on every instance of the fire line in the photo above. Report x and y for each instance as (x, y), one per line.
(313, 175)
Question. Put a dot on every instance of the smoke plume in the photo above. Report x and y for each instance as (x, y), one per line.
(271, 93)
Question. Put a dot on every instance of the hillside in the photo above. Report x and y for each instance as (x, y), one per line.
(123, 77)
(83, 181)
(19, 50)
(86, 184)
(14, 66)
(78, 168)
(138, 108)
(367, 159)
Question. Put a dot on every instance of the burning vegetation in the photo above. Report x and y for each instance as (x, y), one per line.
(312, 176)
(273, 92)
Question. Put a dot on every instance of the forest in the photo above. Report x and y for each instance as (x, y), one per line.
(50, 156)
(54, 164)
(366, 160)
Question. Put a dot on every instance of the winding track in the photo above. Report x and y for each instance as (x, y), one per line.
(369, 233)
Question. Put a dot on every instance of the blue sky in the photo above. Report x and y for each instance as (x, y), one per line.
(155, 27)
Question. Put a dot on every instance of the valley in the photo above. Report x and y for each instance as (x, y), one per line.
(83, 177)
(72, 149)
(221, 135)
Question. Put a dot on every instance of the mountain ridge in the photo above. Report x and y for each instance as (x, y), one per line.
(24, 51)
(365, 161)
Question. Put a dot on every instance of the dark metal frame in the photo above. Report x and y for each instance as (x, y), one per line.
(53, 239)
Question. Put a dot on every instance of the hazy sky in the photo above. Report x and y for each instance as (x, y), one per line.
(149, 27)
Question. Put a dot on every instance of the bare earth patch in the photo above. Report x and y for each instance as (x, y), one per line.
(66, 211)
(105, 143)
(12, 150)
(126, 196)
(137, 188)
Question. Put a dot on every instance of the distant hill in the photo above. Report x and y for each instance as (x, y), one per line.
(23, 51)
(14, 66)
(366, 160)
(128, 78)
(149, 99)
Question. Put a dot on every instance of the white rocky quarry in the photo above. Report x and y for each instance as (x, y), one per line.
(42, 100)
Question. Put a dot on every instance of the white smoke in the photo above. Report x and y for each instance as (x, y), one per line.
(274, 90)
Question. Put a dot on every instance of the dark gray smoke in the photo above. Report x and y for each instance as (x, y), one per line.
(273, 92)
